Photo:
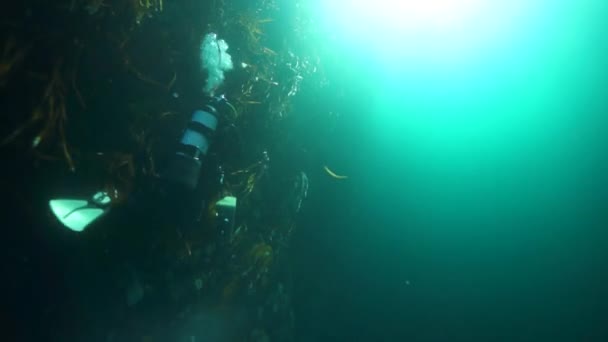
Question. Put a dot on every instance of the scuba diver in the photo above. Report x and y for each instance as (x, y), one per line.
(179, 177)
(174, 188)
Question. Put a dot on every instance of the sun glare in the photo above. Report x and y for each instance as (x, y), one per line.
(435, 30)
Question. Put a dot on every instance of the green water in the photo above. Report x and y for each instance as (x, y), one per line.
(472, 134)
(476, 204)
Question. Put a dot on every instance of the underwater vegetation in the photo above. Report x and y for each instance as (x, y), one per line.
(47, 121)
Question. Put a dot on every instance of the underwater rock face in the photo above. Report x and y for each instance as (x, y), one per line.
(135, 291)
(211, 325)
